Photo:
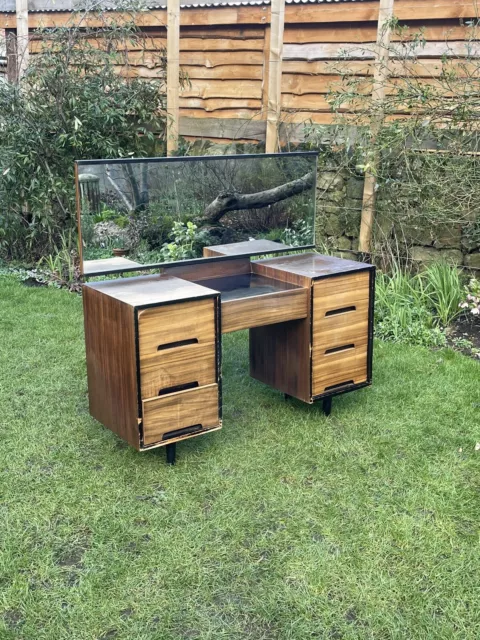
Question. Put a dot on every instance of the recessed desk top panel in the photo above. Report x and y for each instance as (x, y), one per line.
(246, 285)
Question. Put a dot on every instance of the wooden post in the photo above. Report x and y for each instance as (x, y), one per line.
(22, 36)
(11, 50)
(380, 76)
(173, 74)
(274, 95)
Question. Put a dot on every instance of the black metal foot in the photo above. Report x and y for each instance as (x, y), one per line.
(286, 396)
(171, 450)
(327, 406)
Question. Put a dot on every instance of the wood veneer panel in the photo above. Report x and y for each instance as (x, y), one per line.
(257, 311)
(280, 357)
(248, 247)
(161, 328)
(190, 364)
(340, 331)
(301, 268)
(179, 410)
(151, 290)
(210, 269)
(111, 363)
(338, 368)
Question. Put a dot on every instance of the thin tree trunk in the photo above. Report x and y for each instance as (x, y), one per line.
(380, 77)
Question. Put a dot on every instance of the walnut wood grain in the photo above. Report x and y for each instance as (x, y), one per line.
(179, 410)
(257, 311)
(280, 357)
(190, 364)
(329, 370)
(340, 340)
(151, 290)
(160, 328)
(111, 363)
(311, 266)
(209, 269)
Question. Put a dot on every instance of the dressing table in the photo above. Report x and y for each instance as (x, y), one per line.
(153, 342)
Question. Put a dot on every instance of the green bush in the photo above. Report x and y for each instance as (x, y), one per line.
(414, 308)
(70, 104)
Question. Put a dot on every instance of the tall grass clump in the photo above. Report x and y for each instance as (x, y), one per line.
(415, 309)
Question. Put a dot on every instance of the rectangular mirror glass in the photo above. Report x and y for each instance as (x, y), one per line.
(142, 213)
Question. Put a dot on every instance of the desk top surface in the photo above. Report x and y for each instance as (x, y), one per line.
(313, 265)
(150, 290)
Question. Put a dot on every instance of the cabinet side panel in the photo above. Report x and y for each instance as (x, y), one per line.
(111, 364)
(280, 357)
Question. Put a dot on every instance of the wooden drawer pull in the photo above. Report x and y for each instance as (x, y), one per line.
(345, 347)
(335, 312)
(178, 387)
(338, 385)
(182, 432)
(178, 343)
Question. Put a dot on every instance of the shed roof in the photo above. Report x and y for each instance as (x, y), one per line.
(41, 6)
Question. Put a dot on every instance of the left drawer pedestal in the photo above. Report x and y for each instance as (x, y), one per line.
(153, 358)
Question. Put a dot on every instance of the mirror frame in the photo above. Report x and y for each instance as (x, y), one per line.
(189, 261)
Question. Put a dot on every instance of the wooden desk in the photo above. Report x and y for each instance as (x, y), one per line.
(153, 342)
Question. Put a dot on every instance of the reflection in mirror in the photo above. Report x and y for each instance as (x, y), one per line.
(135, 213)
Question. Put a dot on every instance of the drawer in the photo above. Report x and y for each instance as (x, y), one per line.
(337, 300)
(165, 328)
(339, 366)
(176, 367)
(176, 411)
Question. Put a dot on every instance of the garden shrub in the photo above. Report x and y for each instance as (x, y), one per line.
(70, 104)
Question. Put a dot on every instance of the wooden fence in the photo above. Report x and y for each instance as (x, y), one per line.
(226, 53)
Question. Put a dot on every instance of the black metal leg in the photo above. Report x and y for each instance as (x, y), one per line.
(286, 396)
(171, 450)
(327, 405)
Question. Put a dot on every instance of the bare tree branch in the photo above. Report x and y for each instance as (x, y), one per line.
(225, 202)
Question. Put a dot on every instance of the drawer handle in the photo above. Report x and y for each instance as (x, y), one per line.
(178, 343)
(182, 432)
(335, 312)
(345, 347)
(337, 386)
(178, 387)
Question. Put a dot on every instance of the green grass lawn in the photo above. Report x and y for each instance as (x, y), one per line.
(283, 525)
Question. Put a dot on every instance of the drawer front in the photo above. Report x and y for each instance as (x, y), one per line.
(164, 328)
(187, 365)
(335, 299)
(340, 332)
(337, 369)
(177, 411)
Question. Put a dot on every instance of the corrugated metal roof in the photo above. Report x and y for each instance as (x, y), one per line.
(44, 6)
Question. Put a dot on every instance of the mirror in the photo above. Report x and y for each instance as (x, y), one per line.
(142, 213)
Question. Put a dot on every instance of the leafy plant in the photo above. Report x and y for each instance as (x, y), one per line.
(185, 242)
(403, 311)
(471, 298)
(444, 289)
(70, 104)
(298, 234)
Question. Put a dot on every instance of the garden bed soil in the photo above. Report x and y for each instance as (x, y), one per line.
(464, 336)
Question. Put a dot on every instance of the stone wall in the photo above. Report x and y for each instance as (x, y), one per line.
(339, 204)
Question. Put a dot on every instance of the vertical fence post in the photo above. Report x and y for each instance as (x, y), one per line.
(22, 36)
(173, 74)
(275, 55)
(11, 50)
(380, 77)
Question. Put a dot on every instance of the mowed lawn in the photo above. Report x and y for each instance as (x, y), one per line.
(284, 525)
